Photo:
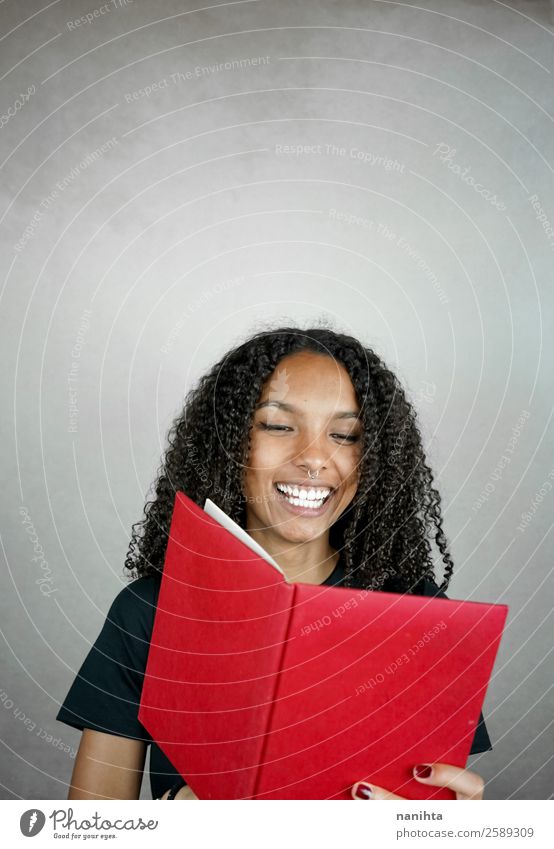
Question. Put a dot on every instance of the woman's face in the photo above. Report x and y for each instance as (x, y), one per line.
(306, 419)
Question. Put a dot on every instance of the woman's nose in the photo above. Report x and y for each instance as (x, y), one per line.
(314, 450)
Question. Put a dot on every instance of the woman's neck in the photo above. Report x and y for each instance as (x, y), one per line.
(310, 562)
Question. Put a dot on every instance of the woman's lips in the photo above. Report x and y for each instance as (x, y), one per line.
(298, 510)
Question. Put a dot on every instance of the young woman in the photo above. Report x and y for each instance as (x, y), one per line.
(307, 441)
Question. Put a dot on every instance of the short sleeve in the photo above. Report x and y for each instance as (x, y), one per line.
(105, 694)
(481, 740)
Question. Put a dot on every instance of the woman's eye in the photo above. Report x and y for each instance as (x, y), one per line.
(346, 437)
(274, 427)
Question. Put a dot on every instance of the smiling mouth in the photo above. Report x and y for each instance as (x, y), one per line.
(308, 497)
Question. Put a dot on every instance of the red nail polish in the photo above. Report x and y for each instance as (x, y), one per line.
(364, 791)
(423, 770)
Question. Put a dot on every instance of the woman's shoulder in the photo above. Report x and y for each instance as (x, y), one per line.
(134, 606)
(105, 694)
(429, 587)
(144, 589)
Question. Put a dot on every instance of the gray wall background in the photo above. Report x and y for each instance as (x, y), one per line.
(154, 214)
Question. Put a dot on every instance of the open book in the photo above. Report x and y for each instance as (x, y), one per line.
(258, 688)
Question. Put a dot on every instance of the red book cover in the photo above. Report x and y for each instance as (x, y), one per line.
(257, 688)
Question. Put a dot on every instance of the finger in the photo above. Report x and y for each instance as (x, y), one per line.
(467, 784)
(186, 793)
(363, 790)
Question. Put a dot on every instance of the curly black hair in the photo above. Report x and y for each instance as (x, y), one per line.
(385, 533)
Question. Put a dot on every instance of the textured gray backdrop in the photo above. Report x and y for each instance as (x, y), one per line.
(174, 179)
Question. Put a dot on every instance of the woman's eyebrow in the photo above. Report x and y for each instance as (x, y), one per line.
(282, 405)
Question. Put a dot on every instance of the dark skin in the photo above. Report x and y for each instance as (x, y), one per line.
(309, 437)
(285, 445)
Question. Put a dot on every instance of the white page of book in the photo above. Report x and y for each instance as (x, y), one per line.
(217, 513)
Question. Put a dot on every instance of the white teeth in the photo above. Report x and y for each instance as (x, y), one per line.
(312, 497)
(299, 502)
(313, 493)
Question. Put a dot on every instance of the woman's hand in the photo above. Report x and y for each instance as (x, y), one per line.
(184, 793)
(466, 784)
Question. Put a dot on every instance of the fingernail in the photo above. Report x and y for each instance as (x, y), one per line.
(363, 790)
(423, 771)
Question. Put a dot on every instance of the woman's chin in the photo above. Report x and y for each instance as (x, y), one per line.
(295, 529)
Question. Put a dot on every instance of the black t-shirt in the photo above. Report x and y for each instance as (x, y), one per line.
(105, 694)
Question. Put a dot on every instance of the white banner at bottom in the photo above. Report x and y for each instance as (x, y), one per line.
(276, 823)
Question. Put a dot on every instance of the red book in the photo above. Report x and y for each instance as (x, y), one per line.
(257, 688)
